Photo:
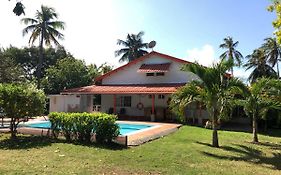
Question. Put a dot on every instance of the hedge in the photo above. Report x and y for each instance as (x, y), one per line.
(81, 126)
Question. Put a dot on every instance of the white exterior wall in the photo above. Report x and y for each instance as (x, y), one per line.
(130, 75)
(71, 103)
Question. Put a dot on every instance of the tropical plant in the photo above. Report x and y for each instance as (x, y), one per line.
(19, 102)
(133, 47)
(273, 52)
(262, 96)
(43, 26)
(67, 73)
(276, 6)
(27, 58)
(258, 62)
(10, 72)
(231, 53)
(213, 89)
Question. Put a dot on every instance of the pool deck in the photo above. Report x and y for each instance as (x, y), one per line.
(131, 139)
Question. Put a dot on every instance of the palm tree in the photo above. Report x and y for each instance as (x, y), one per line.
(231, 53)
(257, 61)
(43, 26)
(273, 52)
(263, 95)
(133, 47)
(213, 89)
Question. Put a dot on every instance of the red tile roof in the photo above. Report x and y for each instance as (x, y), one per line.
(146, 68)
(126, 89)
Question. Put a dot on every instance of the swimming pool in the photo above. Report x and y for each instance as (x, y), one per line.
(125, 128)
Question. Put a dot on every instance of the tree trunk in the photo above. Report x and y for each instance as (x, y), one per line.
(215, 131)
(13, 128)
(278, 70)
(40, 62)
(232, 71)
(255, 129)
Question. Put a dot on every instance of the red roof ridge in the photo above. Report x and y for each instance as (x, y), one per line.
(140, 59)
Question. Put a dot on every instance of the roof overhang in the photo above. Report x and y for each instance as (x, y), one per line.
(152, 68)
(126, 89)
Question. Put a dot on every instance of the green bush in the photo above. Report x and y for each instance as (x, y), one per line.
(81, 126)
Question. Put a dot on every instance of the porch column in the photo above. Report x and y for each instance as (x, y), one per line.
(114, 103)
(153, 105)
(152, 116)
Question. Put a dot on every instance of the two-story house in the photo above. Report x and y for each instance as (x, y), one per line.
(140, 89)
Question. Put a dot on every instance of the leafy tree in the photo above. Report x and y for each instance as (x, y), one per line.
(28, 57)
(276, 7)
(231, 53)
(133, 47)
(9, 71)
(258, 62)
(262, 96)
(273, 52)
(67, 73)
(20, 101)
(43, 26)
(104, 68)
(213, 89)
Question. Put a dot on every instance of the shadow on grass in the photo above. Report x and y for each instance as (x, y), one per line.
(272, 133)
(249, 154)
(26, 142)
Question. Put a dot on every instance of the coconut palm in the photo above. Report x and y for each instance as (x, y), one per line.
(213, 89)
(133, 47)
(263, 95)
(231, 53)
(258, 62)
(45, 28)
(273, 52)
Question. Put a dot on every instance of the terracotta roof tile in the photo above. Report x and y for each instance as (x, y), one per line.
(146, 68)
(126, 89)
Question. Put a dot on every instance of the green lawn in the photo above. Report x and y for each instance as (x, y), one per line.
(184, 152)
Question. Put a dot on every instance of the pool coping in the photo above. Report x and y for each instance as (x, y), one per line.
(132, 139)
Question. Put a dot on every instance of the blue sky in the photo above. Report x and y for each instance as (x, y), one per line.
(187, 29)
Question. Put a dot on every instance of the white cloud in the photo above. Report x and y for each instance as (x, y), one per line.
(204, 56)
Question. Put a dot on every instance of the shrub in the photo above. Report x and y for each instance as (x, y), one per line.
(81, 126)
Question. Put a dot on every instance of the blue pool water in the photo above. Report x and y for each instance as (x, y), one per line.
(125, 128)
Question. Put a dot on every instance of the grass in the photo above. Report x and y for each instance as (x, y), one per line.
(184, 152)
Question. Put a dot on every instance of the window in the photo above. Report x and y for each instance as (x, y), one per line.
(124, 101)
(149, 74)
(161, 96)
(160, 73)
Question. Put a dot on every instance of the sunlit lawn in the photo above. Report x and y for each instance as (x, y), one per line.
(184, 152)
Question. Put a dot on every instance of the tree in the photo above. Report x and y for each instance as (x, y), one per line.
(231, 53)
(10, 72)
(67, 73)
(262, 96)
(258, 62)
(27, 58)
(276, 6)
(43, 26)
(133, 47)
(20, 101)
(212, 89)
(273, 52)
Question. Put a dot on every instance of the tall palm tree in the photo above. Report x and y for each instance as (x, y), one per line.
(263, 95)
(133, 47)
(231, 53)
(213, 89)
(273, 52)
(45, 27)
(257, 60)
